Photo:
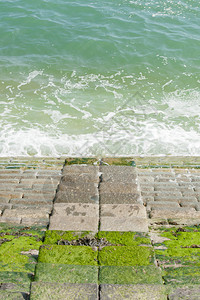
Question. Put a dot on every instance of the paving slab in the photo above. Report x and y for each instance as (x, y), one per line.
(75, 216)
(56, 291)
(63, 273)
(76, 197)
(185, 293)
(70, 255)
(126, 256)
(137, 292)
(4, 295)
(130, 275)
(114, 198)
(123, 210)
(118, 188)
(124, 224)
(55, 237)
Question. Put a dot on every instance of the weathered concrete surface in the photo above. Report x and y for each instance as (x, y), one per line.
(75, 216)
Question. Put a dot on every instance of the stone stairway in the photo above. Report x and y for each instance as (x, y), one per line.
(100, 229)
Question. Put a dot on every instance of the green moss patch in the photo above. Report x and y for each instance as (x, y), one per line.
(21, 281)
(119, 161)
(71, 255)
(81, 161)
(4, 295)
(66, 273)
(182, 275)
(19, 248)
(182, 246)
(124, 238)
(126, 256)
(57, 291)
(130, 275)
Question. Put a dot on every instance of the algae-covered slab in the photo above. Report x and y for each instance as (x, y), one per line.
(16, 281)
(182, 275)
(185, 292)
(124, 238)
(180, 247)
(120, 161)
(71, 255)
(66, 273)
(82, 161)
(56, 236)
(4, 295)
(19, 248)
(56, 291)
(137, 292)
(126, 256)
(130, 275)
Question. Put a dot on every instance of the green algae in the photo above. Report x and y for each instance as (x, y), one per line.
(4, 295)
(181, 275)
(62, 273)
(71, 255)
(119, 161)
(18, 247)
(130, 275)
(19, 279)
(14, 255)
(126, 256)
(124, 238)
(80, 161)
(52, 237)
(183, 245)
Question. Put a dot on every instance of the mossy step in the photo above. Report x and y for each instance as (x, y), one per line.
(4, 295)
(181, 275)
(62, 273)
(126, 256)
(71, 255)
(133, 292)
(54, 237)
(130, 275)
(57, 291)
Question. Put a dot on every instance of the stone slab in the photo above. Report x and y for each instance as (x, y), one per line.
(113, 198)
(76, 197)
(79, 178)
(70, 255)
(123, 210)
(118, 188)
(137, 292)
(13, 295)
(63, 273)
(75, 216)
(25, 213)
(83, 187)
(76, 210)
(126, 256)
(15, 281)
(123, 224)
(56, 291)
(57, 222)
(180, 213)
(185, 293)
(130, 275)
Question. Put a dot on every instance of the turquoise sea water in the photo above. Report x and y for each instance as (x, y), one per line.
(114, 77)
